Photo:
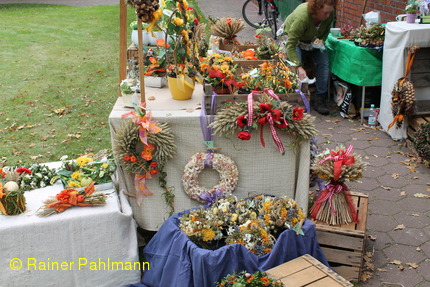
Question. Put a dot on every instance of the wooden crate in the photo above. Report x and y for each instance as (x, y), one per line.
(292, 98)
(132, 52)
(414, 125)
(236, 48)
(306, 271)
(343, 245)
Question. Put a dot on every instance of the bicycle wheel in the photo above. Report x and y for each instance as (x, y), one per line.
(253, 15)
(273, 22)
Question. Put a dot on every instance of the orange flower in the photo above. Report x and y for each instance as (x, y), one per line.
(250, 279)
(162, 43)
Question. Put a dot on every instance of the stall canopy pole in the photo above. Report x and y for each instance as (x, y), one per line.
(140, 55)
(122, 42)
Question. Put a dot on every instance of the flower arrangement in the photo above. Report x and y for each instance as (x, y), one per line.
(253, 222)
(267, 47)
(333, 204)
(129, 86)
(243, 279)
(219, 70)
(181, 27)
(86, 169)
(413, 7)
(35, 176)
(278, 115)
(154, 63)
(72, 197)
(227, 28)
(12, 200)
(272, 75)
(149, 160)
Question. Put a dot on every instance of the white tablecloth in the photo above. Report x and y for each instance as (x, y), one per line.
(81, 235)
(399, 37)
(261, 170)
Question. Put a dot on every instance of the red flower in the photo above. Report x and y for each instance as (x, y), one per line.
(262, 121)
(298, 113)
(276, 115)
(283, 124)
(258, 36)
(133, 159)
(64, 195)
(153, 164)
(196, 21)
(23, 169)
(153, 171)
(242, 121)
(126, 157)
(216, 74)
(244, 135)
(265, 108)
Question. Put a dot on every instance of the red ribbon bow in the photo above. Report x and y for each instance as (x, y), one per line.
(340, 158)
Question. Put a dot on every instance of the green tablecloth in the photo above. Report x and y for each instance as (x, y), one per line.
(356, 65)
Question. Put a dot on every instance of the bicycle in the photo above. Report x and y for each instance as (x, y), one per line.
(261, 14)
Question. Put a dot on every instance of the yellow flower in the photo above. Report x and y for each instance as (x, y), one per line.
(178, 21)
(75, 175)
(105, 165)
(208, 234)
(233, 217)
(74, 184)
(83, 160)
(185, 35)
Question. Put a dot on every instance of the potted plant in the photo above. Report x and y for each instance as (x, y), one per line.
(154, 65)
(219, 71)
(130, 92)
(182, 27)
(412, 9)
(148, 37)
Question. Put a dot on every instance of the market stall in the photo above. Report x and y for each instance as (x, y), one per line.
(78, 247)
(357, 65)
(399, 37)
(261, 169)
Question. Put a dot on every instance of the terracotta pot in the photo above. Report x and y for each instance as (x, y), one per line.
(180, 88)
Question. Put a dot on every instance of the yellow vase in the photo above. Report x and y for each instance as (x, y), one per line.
(181, 88)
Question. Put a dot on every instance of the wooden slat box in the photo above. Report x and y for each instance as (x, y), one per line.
(292, 98)
(343, 245)
(306, 271)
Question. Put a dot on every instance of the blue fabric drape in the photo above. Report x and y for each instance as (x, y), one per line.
(175, 261)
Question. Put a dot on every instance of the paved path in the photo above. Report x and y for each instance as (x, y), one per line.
(389, 179)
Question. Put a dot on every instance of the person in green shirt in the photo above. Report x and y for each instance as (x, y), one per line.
(307, 28)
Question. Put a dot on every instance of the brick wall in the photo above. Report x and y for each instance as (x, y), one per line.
(349, 12)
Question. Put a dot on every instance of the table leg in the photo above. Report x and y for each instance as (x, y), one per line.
(363, 95)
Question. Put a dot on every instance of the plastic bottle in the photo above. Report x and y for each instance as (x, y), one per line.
(372, 116)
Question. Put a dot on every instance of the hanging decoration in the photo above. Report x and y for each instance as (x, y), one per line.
(333, 204)
(224, 165)
(142, 147)
(403, 94)
(269, 111)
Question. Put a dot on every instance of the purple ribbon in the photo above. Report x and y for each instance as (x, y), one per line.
(305, 101)
(211, 197)
(205, 120)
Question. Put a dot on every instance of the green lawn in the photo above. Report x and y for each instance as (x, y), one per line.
(58, 80)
